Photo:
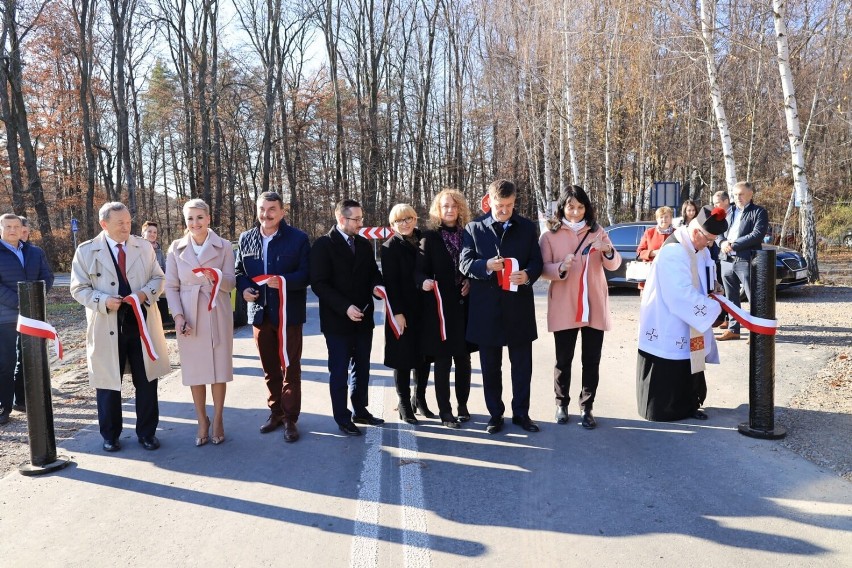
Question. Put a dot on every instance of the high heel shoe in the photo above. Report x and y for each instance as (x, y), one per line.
(406, 413)
(216, 440)
(203, 440)
(464, 414)
(419, 407)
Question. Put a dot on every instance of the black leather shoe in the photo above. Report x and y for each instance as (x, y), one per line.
(149, 442)
(464, 414)
(349, 429)
(291, 432)
(589, 421)
(450, 421)
(494, 425)
(369, 419)
(526, 423)
(272, 423)
(111, 445)
(420, 407)
(700, 415)
(20, 407)
(4, 418)
(562, 415)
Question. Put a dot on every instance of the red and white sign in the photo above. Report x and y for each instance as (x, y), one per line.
(376, 232)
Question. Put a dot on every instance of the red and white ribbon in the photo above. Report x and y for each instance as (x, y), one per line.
(510, 265)
(442, 325)
(133, 300)
(750, 322)
(38, 328)
(583, 292)
(382, 292)
(282, 313)
(215, 275)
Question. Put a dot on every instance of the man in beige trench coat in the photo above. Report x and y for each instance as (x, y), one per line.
(105, 271)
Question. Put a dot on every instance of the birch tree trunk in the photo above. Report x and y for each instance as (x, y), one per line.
(707, 32)
(797, 151)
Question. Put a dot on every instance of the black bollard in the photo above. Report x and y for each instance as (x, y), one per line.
(43, 458)
(761, 355)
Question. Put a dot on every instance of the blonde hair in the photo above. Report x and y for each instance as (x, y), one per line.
(461, 203)
(662, 211)
(401, 211)
(196, 204)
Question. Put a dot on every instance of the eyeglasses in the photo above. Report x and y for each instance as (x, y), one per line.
(356, 219)
(707, 235)
(405, 220)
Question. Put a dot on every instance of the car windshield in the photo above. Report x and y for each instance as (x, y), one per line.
(626, 236)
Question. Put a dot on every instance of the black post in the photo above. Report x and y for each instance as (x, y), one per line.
(43, 456)
(761, 355)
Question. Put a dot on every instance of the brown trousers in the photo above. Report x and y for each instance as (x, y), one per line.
(285, 387)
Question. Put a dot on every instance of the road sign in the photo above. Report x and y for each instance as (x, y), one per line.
(376, 232)
(74, 226)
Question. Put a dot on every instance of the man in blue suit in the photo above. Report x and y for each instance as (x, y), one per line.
(747, 225)
(19, 262)
(276, 248)
(503, 315)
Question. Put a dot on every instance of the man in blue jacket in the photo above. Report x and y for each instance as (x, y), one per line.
(276, 248)
(747, 225)
(19, 262)
(503, 315)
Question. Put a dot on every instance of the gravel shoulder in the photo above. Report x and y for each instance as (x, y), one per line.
(815, 409)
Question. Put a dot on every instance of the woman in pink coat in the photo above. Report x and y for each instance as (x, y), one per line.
(205, 336)
(575, 251)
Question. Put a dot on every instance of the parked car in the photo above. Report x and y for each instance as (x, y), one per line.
(790, 266)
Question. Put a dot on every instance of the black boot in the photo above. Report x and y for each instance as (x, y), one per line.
(418, 403)
(406, 413)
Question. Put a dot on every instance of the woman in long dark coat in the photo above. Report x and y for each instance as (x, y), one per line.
(439, 263)
(402, 354)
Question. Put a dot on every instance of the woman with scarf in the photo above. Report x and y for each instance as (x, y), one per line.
(445, 322)
(654, 237)
(402, 335)
(575, 251)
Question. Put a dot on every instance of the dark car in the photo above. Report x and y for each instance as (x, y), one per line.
(790, 266)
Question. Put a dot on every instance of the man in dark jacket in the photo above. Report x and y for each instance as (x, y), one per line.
(19, 262)
(502, 309)
(343, 275)
(747, 225)
(276, 248)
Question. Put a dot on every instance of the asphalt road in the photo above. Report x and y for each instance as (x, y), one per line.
(631, 493)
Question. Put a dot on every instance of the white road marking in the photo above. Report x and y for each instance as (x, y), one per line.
(415, 531)
(365, 545)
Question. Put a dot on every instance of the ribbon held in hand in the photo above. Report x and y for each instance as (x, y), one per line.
(382, 292)
(752, 323)
(583, 292)
(439, 302)
(510, 265)
(37, 328)
(282, 313)
(215, 275)
(133, 300)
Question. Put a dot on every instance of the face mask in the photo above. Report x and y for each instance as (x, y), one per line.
(574, 226)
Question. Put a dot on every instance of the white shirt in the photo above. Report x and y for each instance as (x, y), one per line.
(114, 246)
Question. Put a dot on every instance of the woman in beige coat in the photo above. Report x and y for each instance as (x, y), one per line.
(205, 338)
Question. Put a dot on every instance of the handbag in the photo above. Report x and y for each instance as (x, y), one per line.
(637, 270)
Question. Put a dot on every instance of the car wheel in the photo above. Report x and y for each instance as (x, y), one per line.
(847, 241)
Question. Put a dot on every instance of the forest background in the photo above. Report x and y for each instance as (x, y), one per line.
(152, 102)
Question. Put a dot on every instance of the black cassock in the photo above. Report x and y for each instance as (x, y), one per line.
(666, 390)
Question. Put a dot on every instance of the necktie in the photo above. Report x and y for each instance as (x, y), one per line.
(122, 261)
(351, 241)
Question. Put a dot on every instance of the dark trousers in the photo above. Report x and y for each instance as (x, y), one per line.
(491, 361)
(734, 274)
(8, 358)
(285, 388)
(349, 372)
(109, 401)
(402, 380)
(566, 341)
(443, 363)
